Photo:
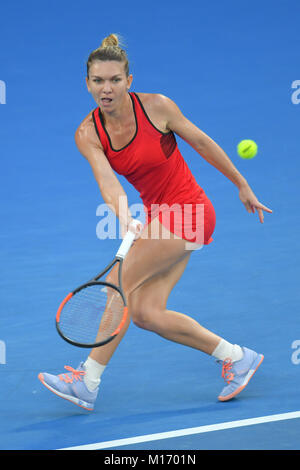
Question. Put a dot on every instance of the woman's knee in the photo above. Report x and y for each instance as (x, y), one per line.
(145, 316)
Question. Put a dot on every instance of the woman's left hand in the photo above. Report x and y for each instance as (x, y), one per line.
(251, 202)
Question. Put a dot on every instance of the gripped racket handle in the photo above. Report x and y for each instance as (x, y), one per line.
(127, 241)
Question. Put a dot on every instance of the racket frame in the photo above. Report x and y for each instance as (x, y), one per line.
(94, 281)
(119, 258)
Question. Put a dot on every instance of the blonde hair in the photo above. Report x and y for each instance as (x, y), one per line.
(110, 41)
(109, 50)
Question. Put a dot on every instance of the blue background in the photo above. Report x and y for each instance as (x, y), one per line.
(229, 66)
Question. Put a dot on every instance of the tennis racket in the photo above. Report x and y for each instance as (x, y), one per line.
(94, 313)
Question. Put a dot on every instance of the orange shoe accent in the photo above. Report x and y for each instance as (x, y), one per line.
(76, 374)
(226, 368)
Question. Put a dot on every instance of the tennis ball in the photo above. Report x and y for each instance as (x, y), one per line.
(247, 149)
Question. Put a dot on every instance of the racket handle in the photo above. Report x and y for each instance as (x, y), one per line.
(127, 241)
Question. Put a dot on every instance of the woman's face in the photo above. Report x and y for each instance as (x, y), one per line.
(108, 84)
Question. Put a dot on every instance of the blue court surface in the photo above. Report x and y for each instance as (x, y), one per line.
(233, 69)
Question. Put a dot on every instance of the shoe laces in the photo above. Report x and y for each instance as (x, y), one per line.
(73, 375)
(226, 368)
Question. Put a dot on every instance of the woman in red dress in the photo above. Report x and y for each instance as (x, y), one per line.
(132, 134)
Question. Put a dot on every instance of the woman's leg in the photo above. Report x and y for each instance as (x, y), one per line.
(154, 252)
(148, 309)
(150, 271)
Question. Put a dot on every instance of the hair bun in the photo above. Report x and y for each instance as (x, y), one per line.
(110, 41)
(111, 49)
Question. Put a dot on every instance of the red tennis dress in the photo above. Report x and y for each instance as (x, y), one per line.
(153, 164)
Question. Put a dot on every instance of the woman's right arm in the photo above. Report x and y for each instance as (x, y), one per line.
(111, 190)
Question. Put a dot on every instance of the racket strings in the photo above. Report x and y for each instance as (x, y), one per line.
(92, 315)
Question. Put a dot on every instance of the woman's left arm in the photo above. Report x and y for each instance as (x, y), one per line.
(212, 153)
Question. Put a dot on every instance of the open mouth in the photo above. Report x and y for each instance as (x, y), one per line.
(106, 100)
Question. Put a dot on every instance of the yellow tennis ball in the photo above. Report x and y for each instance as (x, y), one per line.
(247, 149)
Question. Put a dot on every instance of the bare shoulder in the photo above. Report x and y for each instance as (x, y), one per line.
(159, 108)
(86, 133)
(155, 101)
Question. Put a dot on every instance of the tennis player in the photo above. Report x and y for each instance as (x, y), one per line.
(133, 134)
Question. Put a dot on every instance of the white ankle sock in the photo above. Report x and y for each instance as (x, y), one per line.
(226, 350)
(93, 372)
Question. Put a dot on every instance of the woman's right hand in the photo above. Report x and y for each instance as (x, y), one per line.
(134, 226)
